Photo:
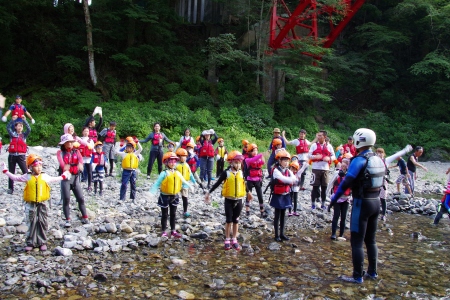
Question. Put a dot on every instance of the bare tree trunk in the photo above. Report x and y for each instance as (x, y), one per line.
(90, 44)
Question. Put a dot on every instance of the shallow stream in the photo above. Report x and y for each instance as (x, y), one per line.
(414, 261)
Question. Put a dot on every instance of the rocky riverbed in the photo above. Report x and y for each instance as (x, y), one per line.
(120, 237)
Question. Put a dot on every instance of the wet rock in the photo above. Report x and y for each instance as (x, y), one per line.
(307, 239)
(199, 235)
(111, 228)
(2, 222)
(43, 283)
(59, 251)
(153, 242)
(185, 295)
(274, 246)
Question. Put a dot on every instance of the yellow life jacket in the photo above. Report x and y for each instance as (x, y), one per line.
(234, 185)
(130, 161)
(184, 169)
(36, 190)
(221, 151)
(171, 185)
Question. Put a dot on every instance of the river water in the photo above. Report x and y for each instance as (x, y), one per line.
(414, 261)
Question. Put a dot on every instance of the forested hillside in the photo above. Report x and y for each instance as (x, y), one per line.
(389, 70)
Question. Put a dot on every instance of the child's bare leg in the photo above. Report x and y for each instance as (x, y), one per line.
(235, 229)
(227, 230)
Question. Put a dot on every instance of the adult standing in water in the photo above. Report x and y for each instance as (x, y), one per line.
(365, 177)
(156, 150)
(412, 164)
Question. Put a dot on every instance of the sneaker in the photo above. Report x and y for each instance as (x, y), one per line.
(383, 218)
(85, 221)
(164, 234)
(333, 237)
(296, 214)
(351, 279)
(67, 224)
(227, 245)
(28, 248)
(186, 215)
(43, 247)
(372, 276)
(89, 189)
(290, 214)
(175, 235)
(236, 245)
(313, 206)
(10, 191)
(148, 176)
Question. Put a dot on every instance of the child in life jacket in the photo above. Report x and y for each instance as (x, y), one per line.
(17, 147)
(171, 147)
(35, 196)
(185, 139)
(170, 182)
(295, 167)
(444, 206)
(276, 145)
(86, 149)
(282, 179)
(130, 163)
(18, 110)
(221, 156)
(206, 154)
(185, 170)
(109, 141)
(233, 190)
(71, 160)
(192, 161)
(253, 175)
(99, 161)
(341, 206)
(90, 124)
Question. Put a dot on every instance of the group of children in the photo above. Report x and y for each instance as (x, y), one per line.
(86, 158)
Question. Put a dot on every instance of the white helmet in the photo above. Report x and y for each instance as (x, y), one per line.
(364, 137)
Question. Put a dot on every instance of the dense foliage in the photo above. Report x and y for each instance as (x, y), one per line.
(389, 70)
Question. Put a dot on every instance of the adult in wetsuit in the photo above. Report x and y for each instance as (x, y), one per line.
(366, 204)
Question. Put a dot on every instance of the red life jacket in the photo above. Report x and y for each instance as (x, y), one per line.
(85, 151)
(352, 149)
(185, 142)
(98, 158)
(207, 150)
(322, 150)
(192, 164)
(18, 111)
(17, 145)
(71, 158)
(156, 139)
(336, 185)
(110, 136)
(93, 134)
(280, 187)
(302, 146)
(255, 170)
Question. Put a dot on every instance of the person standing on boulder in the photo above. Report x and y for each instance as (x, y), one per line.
(35, 196)
(412, 164)
(365, 177)
(156, 150)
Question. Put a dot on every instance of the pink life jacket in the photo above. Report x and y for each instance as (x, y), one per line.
(185, 142)
(156, 138)
(93, 134)
(110, 136)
